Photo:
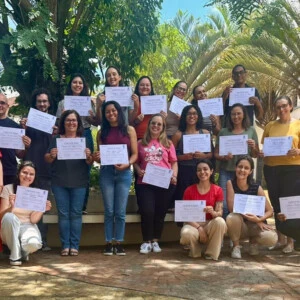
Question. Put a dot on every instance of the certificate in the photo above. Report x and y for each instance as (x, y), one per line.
(212, 106)
(241, 95)
(234, 144)
(157, 176)
(196, 142)
(11, 138)
(177, 105)
(113, 154)
(290, 206)
(82, 104)
(151, 105)
(121, 94)
(40, 120)
(277, 146)
(71, 148)
(31, 198)
(249, 204)
(190, 211)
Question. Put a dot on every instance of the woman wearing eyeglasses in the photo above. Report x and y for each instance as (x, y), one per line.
(282, 172)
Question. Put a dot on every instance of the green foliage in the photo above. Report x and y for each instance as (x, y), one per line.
(94, 177)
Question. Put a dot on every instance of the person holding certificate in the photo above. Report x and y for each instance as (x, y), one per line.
(282, 171)
(211, 232)
(237, 125)
(211, 123)
(115, 180)
(190, 124)
(172, 120)
(18, 226)
(153, 201)
(247, 226)
(69, 179)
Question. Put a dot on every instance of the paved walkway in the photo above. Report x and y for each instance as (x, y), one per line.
(167, 275)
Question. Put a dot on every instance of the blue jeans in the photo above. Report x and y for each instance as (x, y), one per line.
(69, 203)
(224, 176)
(114, 186)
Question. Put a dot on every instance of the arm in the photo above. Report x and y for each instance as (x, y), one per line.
(1, 177)
(174, 167)
(133, 114)
(26, 142)
(37, 215)
(227, 157)
(175, 140)
(97, 153)
(51, 157)
(229, 196)
(216, 121)
(99, 101)
(258, 109)
(202, 155)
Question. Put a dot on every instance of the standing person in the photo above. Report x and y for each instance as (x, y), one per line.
(172, 120)
(237, 124)
(18, 226)
(190, 123)
(9, 161)
(282, 172)
(69, 180)
(239, 76)
(40, 141)
(115, 180)
(211, 123)
(211, 232)
(155, 148)
(247, 226)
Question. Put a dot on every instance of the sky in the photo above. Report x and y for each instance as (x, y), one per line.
(195, 7)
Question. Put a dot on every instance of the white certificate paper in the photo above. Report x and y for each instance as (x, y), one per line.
(120, 94)
(113, 154)
(249, 204)
(277, 146)
(196, 142)
(151, 105)
(234, 144)
(190, 211)
(177, 105)
(241, 95)
(31, 198)
(11, 138)
(82, 104)
(71, 148)
(157, 176)
(212, 106)
(290, 206)
(40, 120)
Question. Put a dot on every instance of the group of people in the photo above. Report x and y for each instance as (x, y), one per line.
(150, 139)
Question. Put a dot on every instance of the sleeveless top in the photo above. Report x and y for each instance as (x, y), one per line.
(252, 190)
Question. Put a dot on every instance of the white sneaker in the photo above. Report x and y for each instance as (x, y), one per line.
(17, 262)
(253, 249)
(146, 248)
(236, 252)
(155, 247)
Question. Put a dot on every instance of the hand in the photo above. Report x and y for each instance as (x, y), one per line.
(202, 235)
(188, 156)
(227, 92)
(12, 199)
(91, 114)
(178, 116)
(121, 167)
(88, 152)
(209, 210)
(23, 122)
(174, 180)
(252, 218)
(96, 156)
(293, 152)
(164, 114)
(261, 154)
(141, 173)
(26, 141)
(264, 227)
(214, 119)
(55, 130)
(199, 155)
(136, 100)
(140, 118)
(251, 143)
(281, 217)
(53, 153)
(228, 157)
(253, 100)
(48, 205)
(101, 99)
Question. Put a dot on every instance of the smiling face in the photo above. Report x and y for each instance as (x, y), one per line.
(192, 116)
(237, 116)
(71, 123)
(180, 90)
(200, 93)
(243, 170)
(111, 114)
(145, 87)
(77, 86)
(239, 75)
(26, 176)
(283, 108)
(204, 172)
(156, 126)
(113, 77)
(42, 103)
(3, 106)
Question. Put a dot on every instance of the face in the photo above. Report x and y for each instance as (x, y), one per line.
(112, 76)
(180, 90)
(204, 172)
(26, 176)
(3, 106)
(77, 86)
(42, 103)
(239, 75)
(192, 116)
(200, 93)
(237, 115)
(145, 87)
(71, 123)
(156, 126)
(111, 114)
(243, 169)
(283, 108)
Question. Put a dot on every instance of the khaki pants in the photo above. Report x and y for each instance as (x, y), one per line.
(215, 230)
(240, 229)
(21, 239)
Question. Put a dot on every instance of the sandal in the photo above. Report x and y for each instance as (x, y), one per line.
(65, 252)
(289, 248)
(74, 252)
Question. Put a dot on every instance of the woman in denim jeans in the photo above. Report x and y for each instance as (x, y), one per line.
(115, 180)
(69, 179)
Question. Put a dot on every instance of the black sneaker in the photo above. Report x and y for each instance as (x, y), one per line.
(109, 249)
(119, 250)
